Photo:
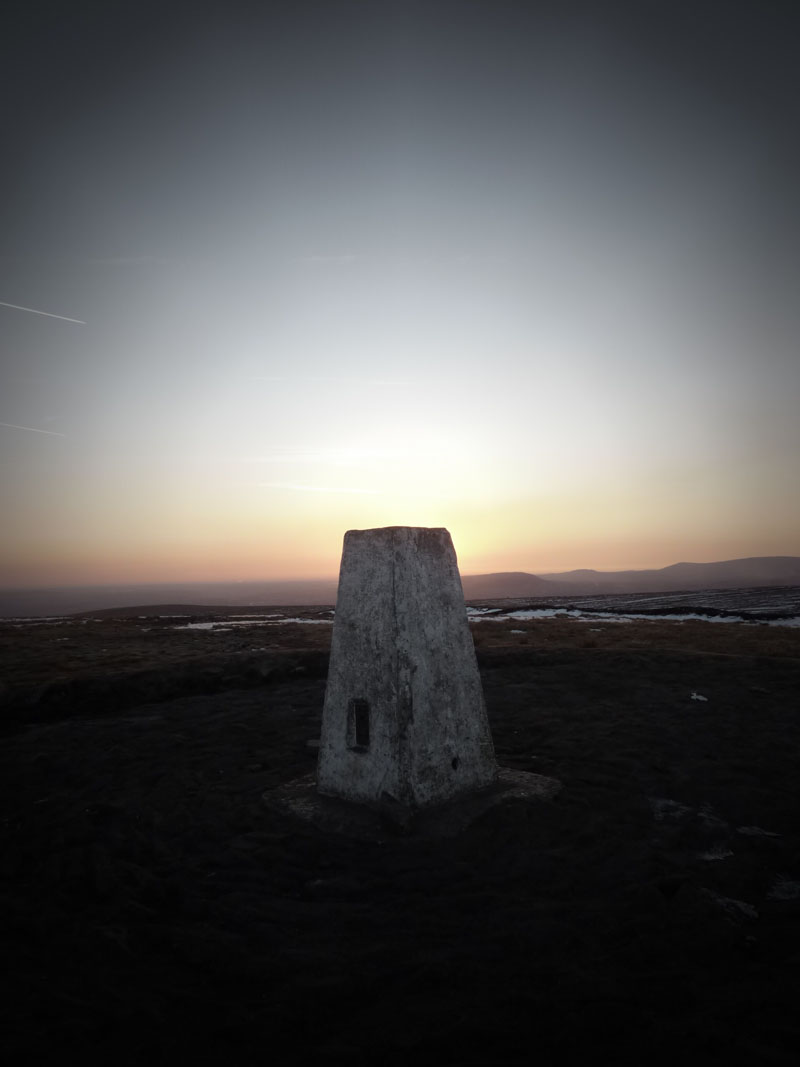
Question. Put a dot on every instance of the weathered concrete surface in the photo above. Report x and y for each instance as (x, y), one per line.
(403, 672)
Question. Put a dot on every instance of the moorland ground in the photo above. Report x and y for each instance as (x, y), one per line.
(156, 909)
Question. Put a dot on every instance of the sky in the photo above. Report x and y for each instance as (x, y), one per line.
(526, 271)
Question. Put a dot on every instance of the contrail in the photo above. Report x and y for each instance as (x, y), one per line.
(13, 425)
(49, 314)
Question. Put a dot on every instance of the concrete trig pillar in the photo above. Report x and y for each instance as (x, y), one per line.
(404, 719)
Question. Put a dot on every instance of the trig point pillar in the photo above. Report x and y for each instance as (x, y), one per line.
(404, 719)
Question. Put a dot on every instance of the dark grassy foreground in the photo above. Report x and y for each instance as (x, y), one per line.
(156, 912)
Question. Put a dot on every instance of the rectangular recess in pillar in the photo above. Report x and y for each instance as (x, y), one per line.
(358, 725)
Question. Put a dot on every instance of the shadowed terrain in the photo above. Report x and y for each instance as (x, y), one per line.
(156, 910)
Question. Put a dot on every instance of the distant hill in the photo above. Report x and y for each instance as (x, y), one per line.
(727, 574)
(508, 584)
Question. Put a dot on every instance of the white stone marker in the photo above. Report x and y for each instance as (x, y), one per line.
(404, 721)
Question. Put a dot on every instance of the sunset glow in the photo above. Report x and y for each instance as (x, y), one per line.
(436, 266)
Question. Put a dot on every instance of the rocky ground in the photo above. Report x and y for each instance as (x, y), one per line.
(156, 910)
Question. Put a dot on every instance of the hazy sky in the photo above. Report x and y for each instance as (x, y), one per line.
(528, 271)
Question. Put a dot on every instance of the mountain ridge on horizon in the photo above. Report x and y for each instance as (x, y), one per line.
(751, 571)
(748, 570)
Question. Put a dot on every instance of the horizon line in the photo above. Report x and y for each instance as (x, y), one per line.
(334, 577)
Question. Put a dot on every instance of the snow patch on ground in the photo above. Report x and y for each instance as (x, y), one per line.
(664, 808)
(738, 909)
(717, 852)
(226, 625)
(784, 888)
(587, 615)
(258, 615)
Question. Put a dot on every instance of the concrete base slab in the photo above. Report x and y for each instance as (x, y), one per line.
(300, 799)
